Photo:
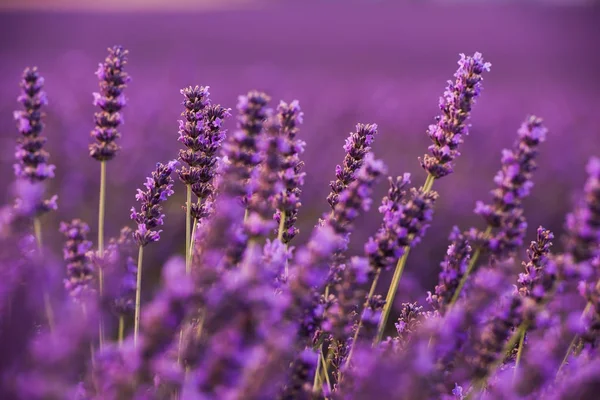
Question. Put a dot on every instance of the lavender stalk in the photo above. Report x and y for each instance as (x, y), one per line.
(111, 100)
(158, 188)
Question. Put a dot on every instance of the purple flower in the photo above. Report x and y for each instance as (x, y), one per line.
(447, 134)
(32, 159)
(454, 267)
(122, 253)
(80, 272)
(513, 181)
(288, 200)
(535, 282)
(241, 149)
(202, 134)
(158, 188)
(111, 100)
(358, 144)
(383, 249)
(300, 381)
(583, 225)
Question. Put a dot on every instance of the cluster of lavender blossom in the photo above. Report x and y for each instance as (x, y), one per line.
(247, 313)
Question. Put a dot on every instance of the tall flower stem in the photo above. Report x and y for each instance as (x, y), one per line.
(470, 269)
(138, 291)
(281, 226)
(121, 330)
(519, 350)
(37, 229)
(389, 299)
(188, 228)
(588, 307)
(360, 324)
(101, 212)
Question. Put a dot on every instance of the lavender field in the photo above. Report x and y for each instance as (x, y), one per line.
(238, 299)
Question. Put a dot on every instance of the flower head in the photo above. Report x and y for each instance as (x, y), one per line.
(110, 100)
(447, 134)
(80, 272)
(159, 186)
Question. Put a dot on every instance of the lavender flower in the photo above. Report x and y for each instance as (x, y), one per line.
(371, 316)
(242, 149)
(111, 100)
(534, 282)
(514, 184)
(158, 189)
(583, 225)
(32, 159)
(454, 267)
(80, 273)
(302, 369)
(383, 250)
(288, 201)
(123, 250)
(456, 105)
(202, 134)
(358, 144)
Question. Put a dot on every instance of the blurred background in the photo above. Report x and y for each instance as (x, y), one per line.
(346, 62)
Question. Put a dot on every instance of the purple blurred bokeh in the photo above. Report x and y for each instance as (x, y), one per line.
(380, 63)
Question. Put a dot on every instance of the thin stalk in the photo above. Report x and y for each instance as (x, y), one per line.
(121, 329)
(480, 383)
(317, 373)
(519, 352)
(281, 226)
(325, 371)
(101, 207)
(588, 307)
(360, 324)
(389, 300)
(188, 228)
(138, 291)
(37, 229)
(246, 214)
(468, 272)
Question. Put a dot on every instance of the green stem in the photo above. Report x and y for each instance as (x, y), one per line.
(359, 327)
(389, 299)
(101, 207)
(317, 373)
(188, 228)
(325, 371)
(480, 383)
(588, 307)
(519, 351)
(468, 272)
(37, 229)
(281, 229)
(138, 291)
(121, 330)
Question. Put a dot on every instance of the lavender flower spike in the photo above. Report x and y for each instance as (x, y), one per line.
(32, 159)
(202, 134)
(288, 201)
(456, 105)
(358, 144)
(242, 149)
(513, 185)
(583, 225)
(534, 282)
(111, 100)
(80, 274)
(158, 188)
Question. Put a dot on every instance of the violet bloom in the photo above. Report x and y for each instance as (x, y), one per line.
(383, 250)
(288, 201)
(158, 188)
(534, 283)
(80, 272)
(513, 181)
(241, 149)
(583, 225)
(124, 250)
(447, 134)
(454, 267)
(202, 134)
(358, 144)
(32, 159)
(111, 100)
(309, 276)
(302, 372)
(371, 316)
